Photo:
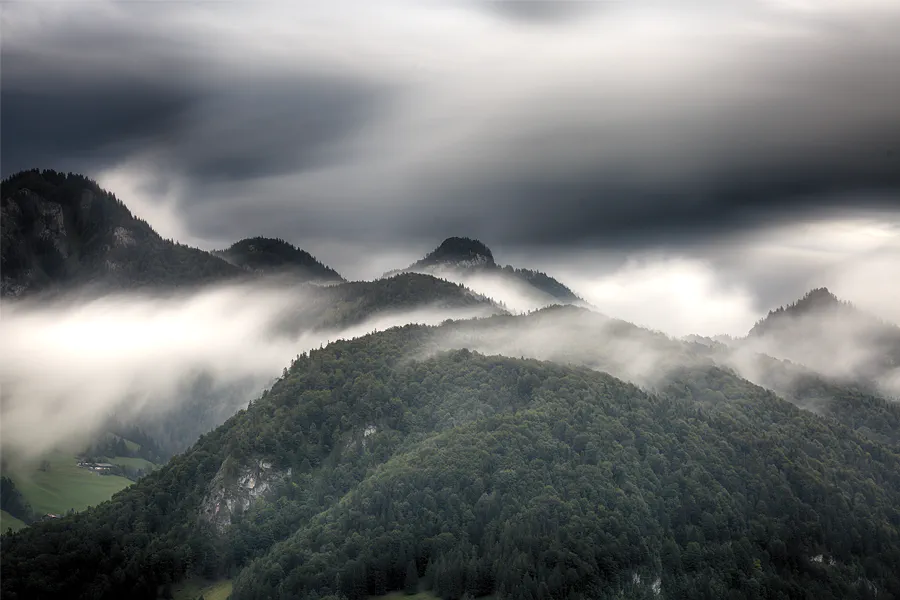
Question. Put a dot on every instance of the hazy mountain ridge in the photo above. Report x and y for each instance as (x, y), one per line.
(832, 337)
(268, 255)
(573, 335)
(471, 262)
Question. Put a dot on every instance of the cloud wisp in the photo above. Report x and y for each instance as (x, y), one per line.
(66, 367)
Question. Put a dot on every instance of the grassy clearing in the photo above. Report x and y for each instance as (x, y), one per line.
(7, 521)
(65, 485)
(194, 588)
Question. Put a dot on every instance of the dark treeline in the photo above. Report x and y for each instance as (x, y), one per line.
(12, 501)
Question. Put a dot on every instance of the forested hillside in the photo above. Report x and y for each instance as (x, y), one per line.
(347, 304)
(578, 336)
(205, 403)
(62, 230)
(490, 474)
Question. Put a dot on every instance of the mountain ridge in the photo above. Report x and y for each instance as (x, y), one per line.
(62, 229)
(829, 335)
(275, 255)
(463, 258)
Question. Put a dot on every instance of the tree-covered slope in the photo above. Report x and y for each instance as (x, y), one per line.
(573, 335)
(832, 337)
(61, 230)
(492, 474)
(267, 255)
(354, 302)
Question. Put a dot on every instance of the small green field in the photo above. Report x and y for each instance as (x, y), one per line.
(7, 521)
(194, 588)
(65, 485)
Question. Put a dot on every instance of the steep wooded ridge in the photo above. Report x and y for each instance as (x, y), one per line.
(832, 336)
(462, 256)
(268, 255)
(384, 457)
(62, 230)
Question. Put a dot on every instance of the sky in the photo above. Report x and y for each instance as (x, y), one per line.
(684, 165)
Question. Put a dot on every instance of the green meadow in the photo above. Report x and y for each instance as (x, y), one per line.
(194, 588)
(65, 485)
(7, 521)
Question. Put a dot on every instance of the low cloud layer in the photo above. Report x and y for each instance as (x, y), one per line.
(65, 367)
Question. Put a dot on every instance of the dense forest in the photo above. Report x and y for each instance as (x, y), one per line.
(12, 501)
(484, 474)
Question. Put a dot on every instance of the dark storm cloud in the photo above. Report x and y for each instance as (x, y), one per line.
(91, 96)
(592, 208)
(642, 124)
(88, 129)
(543, 12)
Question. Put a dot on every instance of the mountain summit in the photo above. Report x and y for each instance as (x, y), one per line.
(828, 335)
(470, 262)
(268, 255)
(458, 252)
(63, 229)
(815, 301)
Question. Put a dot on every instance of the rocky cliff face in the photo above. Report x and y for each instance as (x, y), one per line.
(232, 493)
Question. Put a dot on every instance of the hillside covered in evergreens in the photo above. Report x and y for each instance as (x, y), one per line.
(62, 230)
(492, 475)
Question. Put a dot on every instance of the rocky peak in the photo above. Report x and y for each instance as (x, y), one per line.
(458, 252)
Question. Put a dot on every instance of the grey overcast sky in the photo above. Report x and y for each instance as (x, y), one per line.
(599, 139)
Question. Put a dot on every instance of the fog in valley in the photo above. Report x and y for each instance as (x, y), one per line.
(65, 367)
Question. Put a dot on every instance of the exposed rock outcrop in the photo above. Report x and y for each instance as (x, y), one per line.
(232, 493)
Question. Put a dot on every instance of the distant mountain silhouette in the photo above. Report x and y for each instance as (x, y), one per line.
(63, 229)
(268, 255)
(833, 337)
(463, 256)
